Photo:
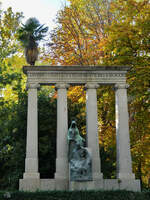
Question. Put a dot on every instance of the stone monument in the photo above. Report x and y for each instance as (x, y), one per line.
(91, 77)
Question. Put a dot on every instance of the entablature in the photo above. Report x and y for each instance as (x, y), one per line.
(76, 75)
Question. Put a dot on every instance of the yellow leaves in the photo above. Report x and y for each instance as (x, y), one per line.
(77, 94)
(9, 95)
(81, 99)
(128, 34)
(79, 37)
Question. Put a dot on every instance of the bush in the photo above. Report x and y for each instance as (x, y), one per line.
(76, 195)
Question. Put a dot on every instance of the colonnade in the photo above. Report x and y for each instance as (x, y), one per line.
(124, 163)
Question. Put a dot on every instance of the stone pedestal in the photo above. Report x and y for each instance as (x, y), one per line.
(62, 165)
(124, 162)
(106, 185)
(92, 128)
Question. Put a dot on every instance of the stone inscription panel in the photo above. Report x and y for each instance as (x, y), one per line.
(76, 77)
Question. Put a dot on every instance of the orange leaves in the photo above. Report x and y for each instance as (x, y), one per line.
(77, 39)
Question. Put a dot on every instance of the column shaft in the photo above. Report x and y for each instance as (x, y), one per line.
(62, 172)
(31, 161)
(124, 162)
(92, 129)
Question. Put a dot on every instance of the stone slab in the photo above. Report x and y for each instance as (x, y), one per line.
(33, 185)
(107, 184)
(130, 185)
(75, 68)
(47, 184)
(76, 75)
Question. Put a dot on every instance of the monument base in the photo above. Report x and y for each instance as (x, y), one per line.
(107, 184)
(33, 185)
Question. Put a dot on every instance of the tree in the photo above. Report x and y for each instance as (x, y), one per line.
(11, 83)
(9, 22)
(77, 39)
(30, 34)
(128, 43)
(111, 33)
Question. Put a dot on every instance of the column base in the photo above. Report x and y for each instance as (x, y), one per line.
(61, 181)
(125, 176)
(130, 185)
(31, 175)
(29, 184)
(96, 169)
(61, 175)
(61, 184)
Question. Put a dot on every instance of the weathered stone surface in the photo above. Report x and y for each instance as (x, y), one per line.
(103, 184)
(31, 161)
(29, 184)
(124, 162)
(62, 129)
(107, 184)
(76, 74)
(92, 129)
(47, 184)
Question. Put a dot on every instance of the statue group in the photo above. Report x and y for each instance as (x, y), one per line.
(80, 162)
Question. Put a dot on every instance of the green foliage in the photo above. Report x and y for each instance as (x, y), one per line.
(12, 145)
(31, 32)
(47, 133)
(108, 162)
(80, 195)
(127, 43)
(9, 23)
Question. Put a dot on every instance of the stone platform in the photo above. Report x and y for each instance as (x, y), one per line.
(103, 184)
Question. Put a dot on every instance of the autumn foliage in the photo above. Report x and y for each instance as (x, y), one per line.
(88, 32)
(98, 32)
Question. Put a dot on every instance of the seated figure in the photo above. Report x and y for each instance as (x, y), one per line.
(80, 161)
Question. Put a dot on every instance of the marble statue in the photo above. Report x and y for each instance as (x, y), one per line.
(80, 162)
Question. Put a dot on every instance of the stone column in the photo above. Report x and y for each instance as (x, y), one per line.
(31, 161)
(124, 162)
(92, 128)
(62, 172)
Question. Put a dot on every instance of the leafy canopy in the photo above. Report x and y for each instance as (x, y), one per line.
(32, 30)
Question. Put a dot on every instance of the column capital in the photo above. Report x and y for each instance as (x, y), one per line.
(62, 86)
(32, 86)
(121, 86)
(91, 86)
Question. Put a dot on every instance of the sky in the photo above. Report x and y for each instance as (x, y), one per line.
(44, 10)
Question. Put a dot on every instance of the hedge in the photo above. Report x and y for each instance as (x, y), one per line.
(76, 195)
